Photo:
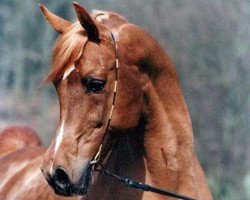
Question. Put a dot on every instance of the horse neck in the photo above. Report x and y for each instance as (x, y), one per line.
(168, 139)
(160, 152)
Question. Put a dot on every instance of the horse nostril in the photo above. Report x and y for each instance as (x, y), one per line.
(61, 181)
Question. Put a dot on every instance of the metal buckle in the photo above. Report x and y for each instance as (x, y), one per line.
(97, 156)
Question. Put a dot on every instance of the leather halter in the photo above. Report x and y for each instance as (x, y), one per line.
(126, 181)
(98, 154)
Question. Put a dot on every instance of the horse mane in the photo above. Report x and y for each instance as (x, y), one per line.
(67, 50)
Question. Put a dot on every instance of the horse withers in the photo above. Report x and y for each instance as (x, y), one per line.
(121, 106)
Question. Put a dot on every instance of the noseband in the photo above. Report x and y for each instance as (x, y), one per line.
(96, 160)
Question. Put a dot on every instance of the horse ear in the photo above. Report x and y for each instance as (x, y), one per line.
(87, 23)
(58, 23)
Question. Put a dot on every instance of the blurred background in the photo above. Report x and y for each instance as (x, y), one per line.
(209, 43)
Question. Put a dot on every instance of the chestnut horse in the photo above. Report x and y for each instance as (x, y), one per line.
(21, 155)
(121, 105)
(17, 137)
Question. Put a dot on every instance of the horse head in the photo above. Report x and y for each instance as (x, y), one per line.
(83, 73)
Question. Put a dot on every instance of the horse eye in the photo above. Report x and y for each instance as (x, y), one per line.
(94, 85)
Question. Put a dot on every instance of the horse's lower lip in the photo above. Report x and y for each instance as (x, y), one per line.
(61, 192)
(72, 191)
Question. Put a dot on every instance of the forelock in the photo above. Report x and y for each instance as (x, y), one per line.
(67, 50)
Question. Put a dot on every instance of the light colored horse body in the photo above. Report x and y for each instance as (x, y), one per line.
(17, 137)
(150, 136)
(21, 157)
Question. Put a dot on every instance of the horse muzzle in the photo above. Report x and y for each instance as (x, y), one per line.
(62, 185)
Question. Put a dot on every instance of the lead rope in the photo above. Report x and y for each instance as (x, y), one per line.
(141, 186)
(126, 181)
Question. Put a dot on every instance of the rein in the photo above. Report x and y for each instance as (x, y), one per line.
(126, 181)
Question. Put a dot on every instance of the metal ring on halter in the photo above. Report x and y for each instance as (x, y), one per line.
(98, 154)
